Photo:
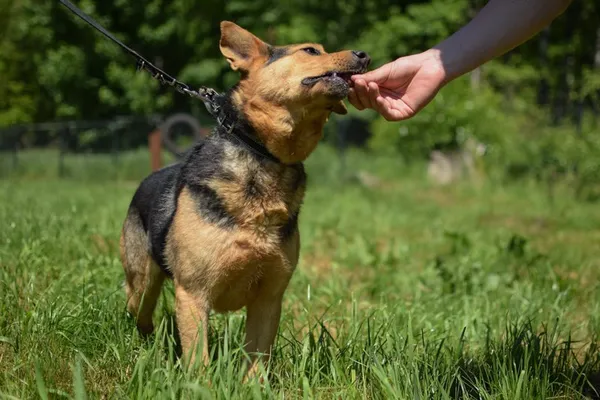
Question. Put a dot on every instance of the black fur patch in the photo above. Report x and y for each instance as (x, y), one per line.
(289, 228)
(252, 188)
(203, 163)
(275, 53)
(211, 206)
(156, 202)
(300, 180)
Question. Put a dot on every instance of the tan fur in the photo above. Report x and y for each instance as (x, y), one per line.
(225, 271)
(269, 214)
(250, 264)
(143, 278)
(289, 120)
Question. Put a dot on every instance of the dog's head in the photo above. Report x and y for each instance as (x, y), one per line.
(287, 93)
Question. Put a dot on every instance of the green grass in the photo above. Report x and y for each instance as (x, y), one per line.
(404, 291)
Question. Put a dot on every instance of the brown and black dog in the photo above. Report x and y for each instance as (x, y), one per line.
(223, 223)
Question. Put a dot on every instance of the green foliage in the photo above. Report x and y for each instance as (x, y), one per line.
(412, 29)
(555, 154)
(55, 67)
(456, 114)
(81, 73)
(133, 91)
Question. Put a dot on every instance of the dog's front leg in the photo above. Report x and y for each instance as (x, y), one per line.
(262, 322)
(192, 311)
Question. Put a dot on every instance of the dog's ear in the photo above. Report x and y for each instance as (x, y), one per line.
(240, 47)
(340, 108)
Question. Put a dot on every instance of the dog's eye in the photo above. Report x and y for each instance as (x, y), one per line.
(312, 51)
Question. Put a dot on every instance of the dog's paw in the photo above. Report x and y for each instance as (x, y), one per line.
(254, 374)
(145, 329)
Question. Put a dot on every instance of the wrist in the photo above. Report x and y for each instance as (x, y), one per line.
(434, 64)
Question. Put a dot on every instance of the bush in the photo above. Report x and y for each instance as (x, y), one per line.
(557, 155)
(519, 143)
(456, 114)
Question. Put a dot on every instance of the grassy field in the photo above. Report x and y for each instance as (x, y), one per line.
(403, 291)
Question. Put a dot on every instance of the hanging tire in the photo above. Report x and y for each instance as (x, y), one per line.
(174, 122)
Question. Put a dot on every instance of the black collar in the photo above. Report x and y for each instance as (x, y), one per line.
(239, 129)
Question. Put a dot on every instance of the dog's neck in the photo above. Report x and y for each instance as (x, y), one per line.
(234, 127)
(289, 137)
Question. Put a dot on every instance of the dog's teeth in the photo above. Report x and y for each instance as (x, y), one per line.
(333, 75)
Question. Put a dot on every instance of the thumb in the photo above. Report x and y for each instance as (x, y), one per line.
(379, 75)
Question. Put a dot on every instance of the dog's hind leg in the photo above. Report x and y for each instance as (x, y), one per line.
(143, 278)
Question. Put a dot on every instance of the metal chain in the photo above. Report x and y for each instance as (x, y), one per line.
(206, 94)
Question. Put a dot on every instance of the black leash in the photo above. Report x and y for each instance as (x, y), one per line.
(208, 95)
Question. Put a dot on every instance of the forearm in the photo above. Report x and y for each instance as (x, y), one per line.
(499, 27)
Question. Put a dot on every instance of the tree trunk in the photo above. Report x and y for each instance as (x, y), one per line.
(543, 93)
(577, 111)
(561, 98)
(573, 20)
(597, 55)
(595, 105)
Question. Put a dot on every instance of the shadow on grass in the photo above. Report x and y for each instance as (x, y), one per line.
(525, 363)
(561, 367)
(382, 360)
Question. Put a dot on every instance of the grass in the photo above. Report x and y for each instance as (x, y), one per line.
(403, 291)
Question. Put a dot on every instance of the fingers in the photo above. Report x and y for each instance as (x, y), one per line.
(354, 100)
(388, 112)
(373, 95)
(382, 105)
(362, 93)
(379, 75)
(369, 95)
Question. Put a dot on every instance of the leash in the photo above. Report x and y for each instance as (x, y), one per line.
(208, 95)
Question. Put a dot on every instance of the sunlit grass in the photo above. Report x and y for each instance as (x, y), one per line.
(403, 291)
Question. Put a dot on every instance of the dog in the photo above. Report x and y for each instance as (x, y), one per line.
(223, 223)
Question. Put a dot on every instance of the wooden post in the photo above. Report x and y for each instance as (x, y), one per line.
(64, 133)
(154, 146)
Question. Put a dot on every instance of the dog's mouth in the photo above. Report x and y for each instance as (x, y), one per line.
(331, 77)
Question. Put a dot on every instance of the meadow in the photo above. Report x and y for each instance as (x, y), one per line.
(403, 290)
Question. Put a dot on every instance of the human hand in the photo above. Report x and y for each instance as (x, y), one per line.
(400, 89)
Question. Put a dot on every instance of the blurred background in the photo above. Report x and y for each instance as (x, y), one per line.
(66, 91)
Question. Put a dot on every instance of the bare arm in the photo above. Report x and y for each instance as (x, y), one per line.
(499, 27)
(400, 89)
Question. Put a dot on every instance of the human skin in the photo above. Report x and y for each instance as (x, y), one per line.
(400, 89)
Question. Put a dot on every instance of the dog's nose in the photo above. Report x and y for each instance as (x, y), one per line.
(362, 56)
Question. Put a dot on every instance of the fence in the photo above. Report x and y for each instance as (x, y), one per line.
(175, 133)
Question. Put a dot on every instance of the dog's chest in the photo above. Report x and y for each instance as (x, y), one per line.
(231, 264)
(235, 230)
(261, 201)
